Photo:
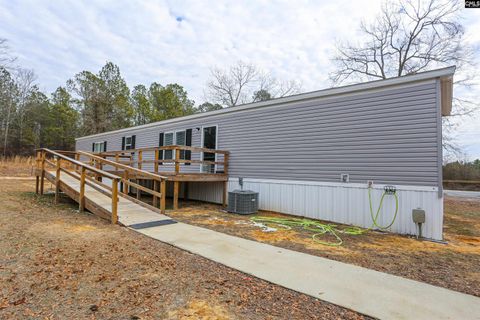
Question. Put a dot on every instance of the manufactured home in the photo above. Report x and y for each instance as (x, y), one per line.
(317, 154)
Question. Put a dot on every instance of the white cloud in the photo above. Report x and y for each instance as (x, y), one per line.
(292, 39)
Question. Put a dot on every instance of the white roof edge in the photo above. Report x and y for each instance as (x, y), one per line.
(438, 73)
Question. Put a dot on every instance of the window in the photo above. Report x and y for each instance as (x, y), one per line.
(174, 138)
(100, 146)
(128, 142)
(180, 138)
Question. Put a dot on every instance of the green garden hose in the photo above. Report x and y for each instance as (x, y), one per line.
(387, 191)
(311, 225)
(321, 229)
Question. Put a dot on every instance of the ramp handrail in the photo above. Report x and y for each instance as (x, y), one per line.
(159, 181)
(84, 178)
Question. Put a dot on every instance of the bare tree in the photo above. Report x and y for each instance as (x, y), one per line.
(7, 104)
(25, 80)
(228, 87)
(6, 59)
(7, 92)
(240, 83)
(277, 88)
(408, 37)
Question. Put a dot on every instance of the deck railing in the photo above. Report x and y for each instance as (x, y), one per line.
(127, 168)
(64, 164)
(173, 161)
(157, 156)
(126, 172)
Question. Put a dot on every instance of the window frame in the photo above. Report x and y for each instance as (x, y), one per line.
(183, 154)
(99, 143)
(130, 144)
(174, 142)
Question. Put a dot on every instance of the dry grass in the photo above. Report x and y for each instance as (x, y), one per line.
(17, 166)
(201, 310)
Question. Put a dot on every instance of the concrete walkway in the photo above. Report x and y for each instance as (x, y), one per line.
(373, 293)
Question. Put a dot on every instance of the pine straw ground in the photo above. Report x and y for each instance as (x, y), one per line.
(56, 263)
(454, 265)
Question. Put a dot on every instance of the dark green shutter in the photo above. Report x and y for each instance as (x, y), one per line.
(123, 143)
(188, 142)
(104, 146)
(133, 142)
(93, 147)
(160, 144)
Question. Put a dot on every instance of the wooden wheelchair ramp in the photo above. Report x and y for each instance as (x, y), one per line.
(100, 204)
(94, 189)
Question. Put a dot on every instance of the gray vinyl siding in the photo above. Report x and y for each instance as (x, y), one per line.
(388, 136)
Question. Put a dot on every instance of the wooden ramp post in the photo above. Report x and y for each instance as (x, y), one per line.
(176, 184)
(81, 196)
(163, 191)
(156, 188)
(224, 195)
(125, 182)
(139, 165)
(226, 158)
(77, 158)
(114, 218)
(42, 175)
(38, 162)
(57, 181)
(176, 189)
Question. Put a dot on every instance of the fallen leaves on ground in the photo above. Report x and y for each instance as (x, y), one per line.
(57, 263)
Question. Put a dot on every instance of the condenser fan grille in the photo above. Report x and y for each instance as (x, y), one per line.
(243, 201)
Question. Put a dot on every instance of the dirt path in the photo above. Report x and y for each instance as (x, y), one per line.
(58, 264)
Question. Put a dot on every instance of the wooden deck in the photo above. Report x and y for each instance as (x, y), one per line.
(108, 193)
(180, 167)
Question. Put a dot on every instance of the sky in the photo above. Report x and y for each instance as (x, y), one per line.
(180, 41)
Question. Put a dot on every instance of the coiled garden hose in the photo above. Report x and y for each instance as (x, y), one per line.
(387, 191)
(311, 225)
